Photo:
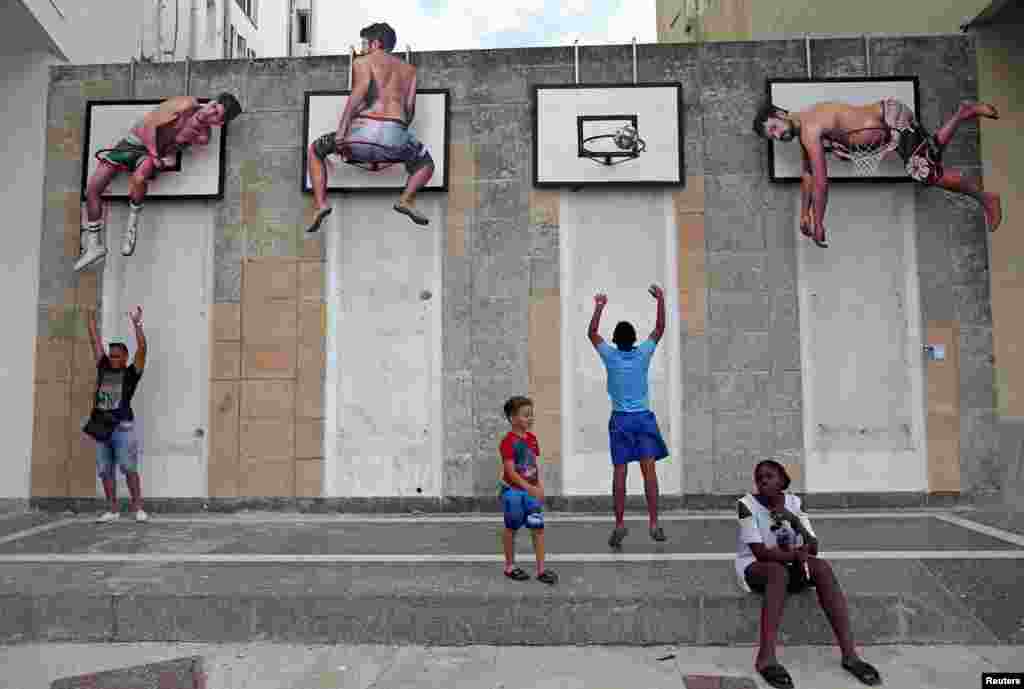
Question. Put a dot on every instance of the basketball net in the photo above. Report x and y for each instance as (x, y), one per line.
(866, 158)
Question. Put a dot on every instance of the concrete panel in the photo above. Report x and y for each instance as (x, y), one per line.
(597, 256)
(383, 391)
(169, 276)
(861, 347)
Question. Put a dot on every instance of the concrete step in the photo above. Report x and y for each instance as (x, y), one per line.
(926, 581)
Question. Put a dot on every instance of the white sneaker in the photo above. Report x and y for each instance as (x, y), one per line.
(131, 232)
(107, 516)
(93, 250)
(141, 516)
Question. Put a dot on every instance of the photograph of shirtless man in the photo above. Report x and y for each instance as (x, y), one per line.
(837, 128)
(374, 126)
(149, 148)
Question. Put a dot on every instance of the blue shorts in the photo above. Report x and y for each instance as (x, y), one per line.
(121, 450)
(518, 504)
(633, 436)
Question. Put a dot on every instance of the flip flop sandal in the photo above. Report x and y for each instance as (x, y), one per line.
(865, 672)
(517, 574)
(776, 676)
(615, 540)
(548, 577)
(416, 217)
(319, 219)
(658, 534)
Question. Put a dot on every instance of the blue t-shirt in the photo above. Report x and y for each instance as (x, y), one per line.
(627, 375)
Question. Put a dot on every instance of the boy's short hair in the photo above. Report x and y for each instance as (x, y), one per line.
(514, 404)
(767, 112)
(118, 345)
(380, 31)
(624, 335)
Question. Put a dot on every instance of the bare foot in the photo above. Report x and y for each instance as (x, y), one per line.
(993, 208)
(976, 109)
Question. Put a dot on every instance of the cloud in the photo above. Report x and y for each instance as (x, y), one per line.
(626, 20)
(472, 24)
(570, 7)
(457, 25)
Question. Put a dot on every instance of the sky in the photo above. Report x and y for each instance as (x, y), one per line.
(484, 24)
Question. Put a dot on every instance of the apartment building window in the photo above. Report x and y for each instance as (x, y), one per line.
(302, 26)
(248, 8)
(241, 47)
(252, 54)
(231, 42)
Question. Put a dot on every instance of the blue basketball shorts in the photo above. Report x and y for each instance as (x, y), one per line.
(521, 509)
(633, 436)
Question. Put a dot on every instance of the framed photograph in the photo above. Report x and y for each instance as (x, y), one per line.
(430, 126)
(197, 174)
(786, 158)
(608, 134)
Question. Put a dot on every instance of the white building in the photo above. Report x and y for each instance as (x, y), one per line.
(301, 36)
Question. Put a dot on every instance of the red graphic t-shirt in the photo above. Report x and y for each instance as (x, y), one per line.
(523, 451)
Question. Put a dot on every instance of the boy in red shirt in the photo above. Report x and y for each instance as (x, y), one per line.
(522, 491)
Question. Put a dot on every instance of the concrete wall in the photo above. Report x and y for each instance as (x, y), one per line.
(726, 243)
(1001, 82)
(24, 72)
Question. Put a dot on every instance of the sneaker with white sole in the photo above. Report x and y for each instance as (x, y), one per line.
(141, 516)
(92, 250)
(131, 232)
(107, 516)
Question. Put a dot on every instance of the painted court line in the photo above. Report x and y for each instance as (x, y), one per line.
(495, 517)
(216, 558)
(35, 530)
(992, 531)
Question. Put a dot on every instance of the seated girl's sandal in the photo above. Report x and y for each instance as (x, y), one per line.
(862, 671)
(517, 574)
(776, 676)
(548, 577)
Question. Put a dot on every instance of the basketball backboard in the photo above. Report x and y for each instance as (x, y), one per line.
(593, 134)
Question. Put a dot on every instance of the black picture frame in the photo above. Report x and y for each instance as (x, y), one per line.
(583, 184)
(888, 179)
(154, 194)
(345, 92)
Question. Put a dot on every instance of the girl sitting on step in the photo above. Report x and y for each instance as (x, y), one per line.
(778, 553)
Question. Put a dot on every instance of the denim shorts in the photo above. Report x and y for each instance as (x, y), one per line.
(372, 140)
(122, 450)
